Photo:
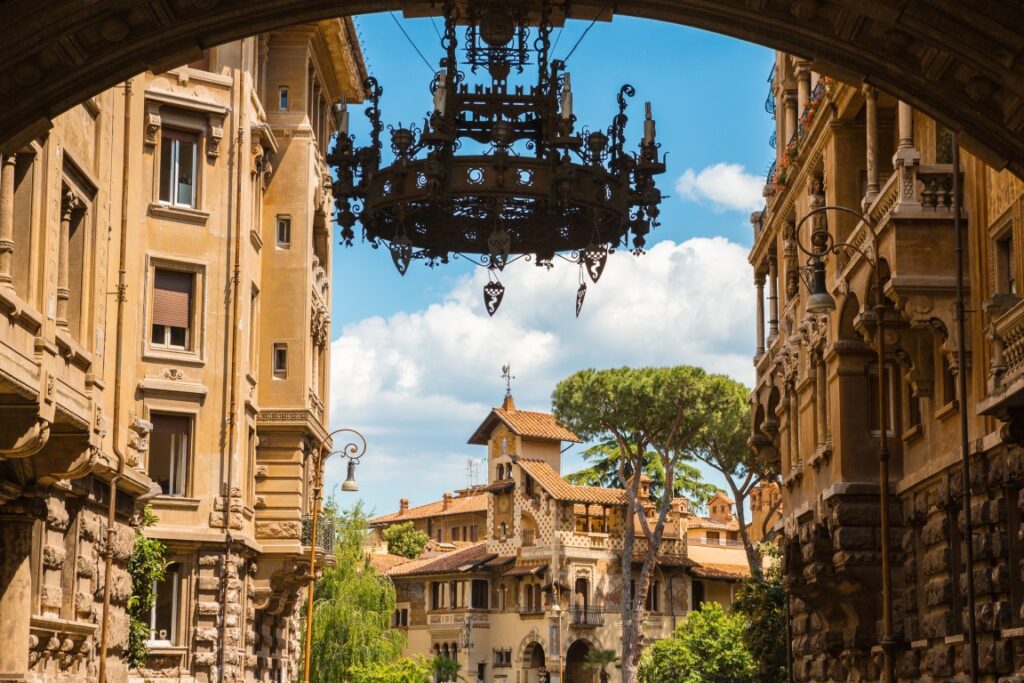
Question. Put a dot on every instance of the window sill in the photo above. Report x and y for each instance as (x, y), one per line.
(912, 434)
(947, 410)
(172, 502)
(162, 647)
(181, 357)
(178, 213)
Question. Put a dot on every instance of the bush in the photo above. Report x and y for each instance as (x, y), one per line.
(404, 540)
(146, 566)
(706, 648)
(406, 670)
(762, 602)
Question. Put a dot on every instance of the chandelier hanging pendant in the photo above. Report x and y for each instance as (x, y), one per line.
(498, 172)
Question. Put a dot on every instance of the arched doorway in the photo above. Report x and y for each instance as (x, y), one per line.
(533, 663)
(60, 53)
(575, 657)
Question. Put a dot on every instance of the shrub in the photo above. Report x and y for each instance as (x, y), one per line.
(706, 648)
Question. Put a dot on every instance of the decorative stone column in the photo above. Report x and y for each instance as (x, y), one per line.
(68, 206)
(790, 116)
(821, 404)
(15, 593)
(7, 168)
(759, 283)
(871, 143)
(773, 298)
(795, 461)
(803, 85)
(906, 160)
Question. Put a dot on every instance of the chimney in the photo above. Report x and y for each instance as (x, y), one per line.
(509, 403)
(403, 506)
(446, 501)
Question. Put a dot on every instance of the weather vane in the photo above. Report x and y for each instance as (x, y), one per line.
(506, 374)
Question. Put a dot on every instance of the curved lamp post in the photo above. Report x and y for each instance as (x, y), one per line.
(353, 452)
(821, 302)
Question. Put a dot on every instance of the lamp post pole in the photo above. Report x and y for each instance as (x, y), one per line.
(352, 452)
(821, 301)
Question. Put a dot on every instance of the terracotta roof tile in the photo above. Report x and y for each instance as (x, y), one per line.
(668, 560)
(694, 522)
(383, 562)
(528, 423)
(558, 487)
(725, 572)
(449, 563)
(473, 502)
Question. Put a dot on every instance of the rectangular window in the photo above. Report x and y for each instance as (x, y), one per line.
(169, 453)
(163, 615)
(697, 595)
(653, 604)
(178, 155)
(280, 361)
(284, 231)
(948, 379)
(435, 595)
(480, 594)
(172, 308)
(714, 537)
(1006, 272)
(472, 533)
(282, 98)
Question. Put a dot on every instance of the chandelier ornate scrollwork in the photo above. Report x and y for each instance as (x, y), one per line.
(498, 171)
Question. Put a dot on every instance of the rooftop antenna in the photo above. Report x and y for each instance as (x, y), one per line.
(472, 471)
(506, 374)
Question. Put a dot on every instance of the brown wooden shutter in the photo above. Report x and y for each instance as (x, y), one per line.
(170, 424)
(172, 298)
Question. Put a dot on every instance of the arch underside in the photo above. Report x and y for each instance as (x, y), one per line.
(962, 63)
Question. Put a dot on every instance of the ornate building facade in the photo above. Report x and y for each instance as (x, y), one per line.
(816, 400)
(489, 604)
(164, 268)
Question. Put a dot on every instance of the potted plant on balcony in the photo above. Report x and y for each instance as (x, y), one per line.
(599, 660)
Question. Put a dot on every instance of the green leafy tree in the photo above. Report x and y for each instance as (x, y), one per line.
(762, 602)
(599, 660)
(408, 670)
(147, 565)
(722, 445)
(604, 471)
(706, 648)
(353, 606)
(403, 539)
(639, 410)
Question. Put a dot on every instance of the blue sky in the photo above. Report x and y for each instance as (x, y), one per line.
(416, 360)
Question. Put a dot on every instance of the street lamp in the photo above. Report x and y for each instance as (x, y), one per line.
(556, 617)
(353, 452)
(821, 302)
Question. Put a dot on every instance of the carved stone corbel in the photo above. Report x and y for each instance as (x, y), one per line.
(30, 443)
(152, 129)
(214, 135)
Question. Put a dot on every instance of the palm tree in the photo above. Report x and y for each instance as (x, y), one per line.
(600, 660)
(447, 669)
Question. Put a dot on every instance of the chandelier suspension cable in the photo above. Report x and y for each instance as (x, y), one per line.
(585, 32)
(409, 38)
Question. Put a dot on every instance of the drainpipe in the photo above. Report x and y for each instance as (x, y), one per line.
(232, 418)
(122, 288)
(961, 376)
(672, 599)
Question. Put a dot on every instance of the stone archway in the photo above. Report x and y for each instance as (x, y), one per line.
(575, 657)
(533, 662)
(959, 62)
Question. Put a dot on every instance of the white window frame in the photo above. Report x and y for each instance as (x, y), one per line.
(285, 221)
(283, 97)
(279, 371)
(175, 168)
(175, 609)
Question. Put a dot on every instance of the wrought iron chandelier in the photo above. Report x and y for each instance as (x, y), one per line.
(497, 172)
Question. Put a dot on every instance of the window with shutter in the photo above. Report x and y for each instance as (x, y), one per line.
(172, 308)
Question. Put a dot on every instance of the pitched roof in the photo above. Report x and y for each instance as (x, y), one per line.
(668, 560)
(724, 572)
(528, 423)
(695, 522)
(462, 560)
(383, 562)
(471, 502)
(558, 487)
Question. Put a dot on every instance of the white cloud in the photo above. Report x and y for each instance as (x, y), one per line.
(418, 383)
(727, 187)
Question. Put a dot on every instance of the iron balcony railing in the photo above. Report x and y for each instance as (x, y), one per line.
(587, 618)
(531, 609)
(325, 533)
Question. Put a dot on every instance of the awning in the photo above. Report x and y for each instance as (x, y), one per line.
(527, 570)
